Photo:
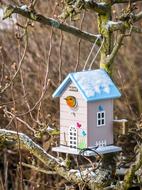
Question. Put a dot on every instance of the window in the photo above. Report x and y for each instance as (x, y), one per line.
(100, 118)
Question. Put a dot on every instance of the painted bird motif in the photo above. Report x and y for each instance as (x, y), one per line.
(78, 125)
(71, 101)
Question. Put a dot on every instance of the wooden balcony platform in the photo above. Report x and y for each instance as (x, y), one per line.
(100, 150)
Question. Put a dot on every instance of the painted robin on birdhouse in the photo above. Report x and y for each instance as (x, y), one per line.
(71, 101)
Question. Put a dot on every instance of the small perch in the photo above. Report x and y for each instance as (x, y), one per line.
(120, 126)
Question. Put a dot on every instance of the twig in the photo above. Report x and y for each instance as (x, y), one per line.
(45, 85)
(19, 66)
(11, 102)
(20, 157)
(37, 103)
(22, 80)
(124, 1)
(5, 170)
(1, 182)
(60, 56)
(118, 44)
(39, 169)
(19, 119)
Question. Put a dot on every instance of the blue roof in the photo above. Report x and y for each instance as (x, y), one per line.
(93, 85)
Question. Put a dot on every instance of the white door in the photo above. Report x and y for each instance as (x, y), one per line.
(72, 137)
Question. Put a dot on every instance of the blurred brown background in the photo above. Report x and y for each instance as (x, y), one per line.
(127, 74)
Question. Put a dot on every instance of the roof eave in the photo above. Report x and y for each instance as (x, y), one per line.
(78, 87)
(61, 88)
(58, 92)
(105, 98)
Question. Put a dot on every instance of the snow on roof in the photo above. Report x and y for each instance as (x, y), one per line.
(93, 85)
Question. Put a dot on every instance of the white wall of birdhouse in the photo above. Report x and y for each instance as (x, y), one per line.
(73, 121)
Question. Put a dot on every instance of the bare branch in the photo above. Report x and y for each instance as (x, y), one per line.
(137, 30)
(72, 8)
(20, 62)
(51, 22)
(118, 44)
(137, 17)
(124, 1)
(12, 116)
(130, 17)
(100, 8)
(114, 26)
(122, 26)
(38, 169)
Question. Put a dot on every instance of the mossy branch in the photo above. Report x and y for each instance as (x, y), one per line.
(122, 26)
(100, 8)
(131, 172)
(92, 180)
(50, 22)
(116, 47)
(97, 180)
(137, 17)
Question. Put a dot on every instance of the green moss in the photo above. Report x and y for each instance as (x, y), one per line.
(54, 132)
(107, 36)
(8, 12)
(33, 16)
(106, 67)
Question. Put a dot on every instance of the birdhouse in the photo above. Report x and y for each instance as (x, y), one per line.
(86, 112)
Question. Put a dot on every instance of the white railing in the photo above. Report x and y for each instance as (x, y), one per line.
(101, 143)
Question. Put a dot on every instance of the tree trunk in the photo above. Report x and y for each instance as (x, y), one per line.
(106, 35)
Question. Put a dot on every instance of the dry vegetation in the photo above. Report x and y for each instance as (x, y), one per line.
(27, 107)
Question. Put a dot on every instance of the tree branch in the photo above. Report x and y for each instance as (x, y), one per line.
(100, 8)
(118, 25)
(137, 30)
(118, 44)
(124, 1)
(38, 169)
(97, 180)
(50, 22)
(122, 26)
(137, 17)
(128, 178)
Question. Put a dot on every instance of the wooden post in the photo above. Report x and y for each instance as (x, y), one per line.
(120, 126)
(109, 163)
